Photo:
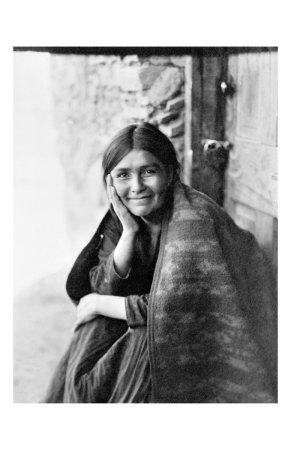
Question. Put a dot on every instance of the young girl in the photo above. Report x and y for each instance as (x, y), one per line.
(173, 298)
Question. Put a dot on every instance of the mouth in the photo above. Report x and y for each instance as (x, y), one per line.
(139, 198)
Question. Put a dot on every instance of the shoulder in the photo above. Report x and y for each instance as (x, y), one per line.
(188, 198)
(198, 199)
(207, 209)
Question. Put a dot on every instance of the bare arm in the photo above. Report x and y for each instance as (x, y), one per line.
(132, 308)
(111, 305)
(92, 305)
(123, 253)
(124, 250)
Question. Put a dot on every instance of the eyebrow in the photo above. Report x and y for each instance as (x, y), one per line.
(120, 169)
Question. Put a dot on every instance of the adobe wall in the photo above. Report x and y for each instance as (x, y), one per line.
(95, 96)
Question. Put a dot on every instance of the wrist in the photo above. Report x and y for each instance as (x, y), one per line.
(100, 305)
(112, 306)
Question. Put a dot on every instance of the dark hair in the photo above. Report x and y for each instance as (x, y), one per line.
(143, 136)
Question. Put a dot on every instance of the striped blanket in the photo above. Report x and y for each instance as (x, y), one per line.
(211, 316)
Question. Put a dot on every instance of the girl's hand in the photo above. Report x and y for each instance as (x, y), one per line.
(93, 305)
(87, 309)
(129, 223)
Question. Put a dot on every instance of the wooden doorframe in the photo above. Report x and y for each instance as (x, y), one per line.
(205, 107)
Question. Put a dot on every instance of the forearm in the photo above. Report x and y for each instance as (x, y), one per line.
(132, 308)
(92, 305)
(112, 306)
(123, 253)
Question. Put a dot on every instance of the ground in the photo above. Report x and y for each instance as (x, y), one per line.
(43, 322)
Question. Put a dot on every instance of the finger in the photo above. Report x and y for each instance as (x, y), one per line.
(109, 180)
(108, 188)
(80, 321)
(114, 196)
(76, 326)
(113, 193)
(117, 202)
(107, 183)
(84, 320)
(118, 206)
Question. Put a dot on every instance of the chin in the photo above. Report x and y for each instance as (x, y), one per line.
(141, 212)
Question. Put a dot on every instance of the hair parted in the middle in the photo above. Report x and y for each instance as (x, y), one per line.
(144, 136)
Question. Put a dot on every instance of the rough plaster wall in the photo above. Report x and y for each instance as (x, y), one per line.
(94, 97)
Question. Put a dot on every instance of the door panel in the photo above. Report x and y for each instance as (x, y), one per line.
(251, 126)
(269, 93)
(248, 105)
(249, 175)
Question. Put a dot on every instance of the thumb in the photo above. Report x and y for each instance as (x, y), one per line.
(76, 326)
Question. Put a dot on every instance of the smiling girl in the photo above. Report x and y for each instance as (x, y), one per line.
(140, 168)
(174, 301)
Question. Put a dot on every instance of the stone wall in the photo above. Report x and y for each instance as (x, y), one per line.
(95, 96)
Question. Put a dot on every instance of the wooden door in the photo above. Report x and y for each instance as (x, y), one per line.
(251, 126)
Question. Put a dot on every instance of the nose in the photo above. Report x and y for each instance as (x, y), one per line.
(137, 184)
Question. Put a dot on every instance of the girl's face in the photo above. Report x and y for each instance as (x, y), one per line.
(141, 181)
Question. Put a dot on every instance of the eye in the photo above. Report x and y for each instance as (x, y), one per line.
(122, 175)
(149, 172)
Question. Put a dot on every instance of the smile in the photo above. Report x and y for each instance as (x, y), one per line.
(139, 198)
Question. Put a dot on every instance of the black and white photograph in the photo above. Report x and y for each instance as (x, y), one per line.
(145, 225)
(148, 262)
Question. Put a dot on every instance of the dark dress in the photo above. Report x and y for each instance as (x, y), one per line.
(125, 366)
(210, 334)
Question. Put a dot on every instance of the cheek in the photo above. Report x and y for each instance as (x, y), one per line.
(160, 186)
